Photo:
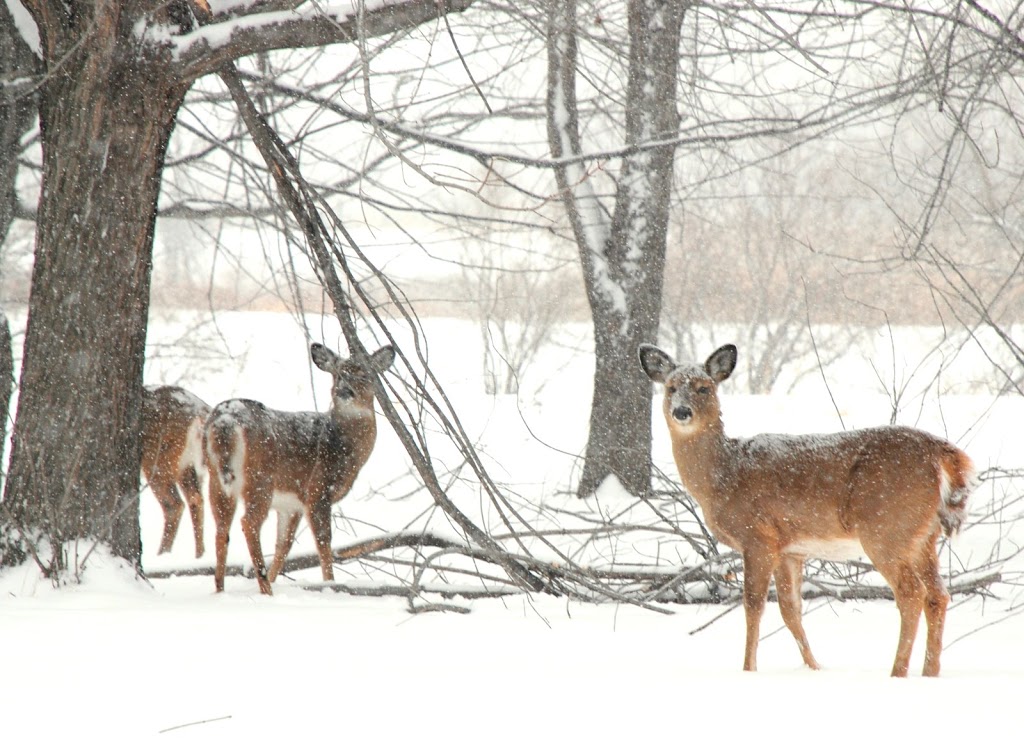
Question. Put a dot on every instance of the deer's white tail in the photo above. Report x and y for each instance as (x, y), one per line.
(225, 450)
(958, 479)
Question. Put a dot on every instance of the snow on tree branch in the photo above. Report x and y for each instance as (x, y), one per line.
(589, 222)
(240, 30)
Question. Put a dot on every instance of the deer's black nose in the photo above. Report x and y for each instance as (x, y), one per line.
(682, 413)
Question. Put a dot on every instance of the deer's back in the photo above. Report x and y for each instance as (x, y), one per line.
(293, 452)
(834, 487)
(172, 421)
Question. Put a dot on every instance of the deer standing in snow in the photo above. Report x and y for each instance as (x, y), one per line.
(172, 456)
(886, 493)
(291, 462)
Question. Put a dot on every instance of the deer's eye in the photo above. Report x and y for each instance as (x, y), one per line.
(703, 390)
(671, 389)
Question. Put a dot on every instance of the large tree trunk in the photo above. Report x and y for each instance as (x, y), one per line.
(106, 113)
(623, 262)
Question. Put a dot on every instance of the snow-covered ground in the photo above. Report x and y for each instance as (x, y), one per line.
(127, 661)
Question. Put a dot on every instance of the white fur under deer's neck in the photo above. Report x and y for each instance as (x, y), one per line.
(702, 458)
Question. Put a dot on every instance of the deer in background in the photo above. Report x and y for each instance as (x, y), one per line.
(886, 493)
(172, 457)
(292, 462)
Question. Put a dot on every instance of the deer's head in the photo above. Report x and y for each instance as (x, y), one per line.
(353, 382)
(691, 390)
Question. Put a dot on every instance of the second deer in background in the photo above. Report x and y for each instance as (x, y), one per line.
(291, 462)
(172, 456)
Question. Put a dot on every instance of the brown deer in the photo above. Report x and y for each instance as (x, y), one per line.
(172, 456)
(885, 493)
(291, 462)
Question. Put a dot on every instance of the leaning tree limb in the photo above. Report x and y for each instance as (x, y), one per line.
(282, 165)
(305, 208)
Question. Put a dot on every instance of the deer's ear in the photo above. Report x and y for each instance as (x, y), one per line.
(383, 358)
(656, 363)
(324, 358)
(721, 363)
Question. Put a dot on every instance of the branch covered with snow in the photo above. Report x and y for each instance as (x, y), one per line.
(237, 29)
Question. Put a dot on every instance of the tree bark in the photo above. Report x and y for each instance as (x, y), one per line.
(623, 261)
(105, 115)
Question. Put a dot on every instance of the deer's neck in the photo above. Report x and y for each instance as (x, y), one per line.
(356, 423)
(703, 459)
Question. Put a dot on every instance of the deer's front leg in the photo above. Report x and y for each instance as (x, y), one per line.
(320, 522)
(788, 579)
(758, 566)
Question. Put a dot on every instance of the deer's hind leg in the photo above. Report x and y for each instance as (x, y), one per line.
(222, 505)
(257, 507)
(935, 603)
(287, 524)
(189, 482)
(903, 577)
(167, 495)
